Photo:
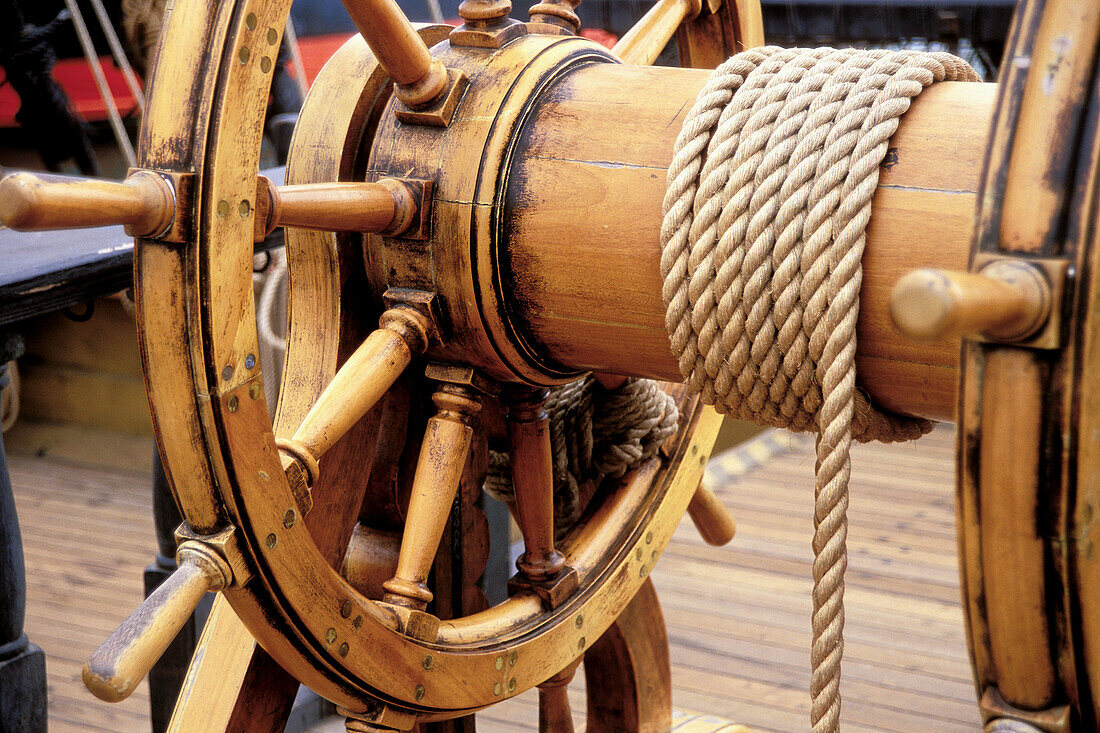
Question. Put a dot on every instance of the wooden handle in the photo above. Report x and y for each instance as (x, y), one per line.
(643, 43)
(438, 470)
(715, 524)
(1006, 300)
(342, 207)
(555, 715)
(144, 202)
(358, 385)
(123, 660)
(420, 79)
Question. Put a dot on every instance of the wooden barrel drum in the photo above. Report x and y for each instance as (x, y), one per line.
(495, 204)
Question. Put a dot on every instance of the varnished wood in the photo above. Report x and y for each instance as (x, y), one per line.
(342, 206)
(122, 662)
(715, 524)
(442, 458)
(555, 716)
(645, 40)
(582, 197)
(356, 387)
(145, 202)
(1009, 301)
(420, 80)
(1013, 557)
(533, 478)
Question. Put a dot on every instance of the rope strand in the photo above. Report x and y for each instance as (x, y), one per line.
(765, 222)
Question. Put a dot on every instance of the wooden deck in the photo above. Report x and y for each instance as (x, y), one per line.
(738, 616)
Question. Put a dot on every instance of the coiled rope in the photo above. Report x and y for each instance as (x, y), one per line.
(767, 205)
(596, 433)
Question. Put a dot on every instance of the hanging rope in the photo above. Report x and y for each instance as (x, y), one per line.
(768, 201)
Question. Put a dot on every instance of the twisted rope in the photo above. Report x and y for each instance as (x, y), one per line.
(767, 205)
(595, 434)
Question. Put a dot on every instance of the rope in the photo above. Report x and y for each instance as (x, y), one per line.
(595, 434)
(768, 201)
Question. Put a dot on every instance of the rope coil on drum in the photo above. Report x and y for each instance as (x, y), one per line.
(768, 201)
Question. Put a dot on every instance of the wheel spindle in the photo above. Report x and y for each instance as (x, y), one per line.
(403, 333)
(533, 478)
(146, 204)
(438, 470)
(420, 80)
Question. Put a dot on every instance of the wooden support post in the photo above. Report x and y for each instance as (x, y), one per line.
(555, 715)
(22, 664)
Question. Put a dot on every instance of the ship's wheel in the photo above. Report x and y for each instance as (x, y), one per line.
(321, 532)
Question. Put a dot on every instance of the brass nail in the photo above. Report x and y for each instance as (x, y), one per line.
(233, 403)
(289, 518)
(271, 540)
(345, 609)
(330, 636)
(419, 692)
(427, 661)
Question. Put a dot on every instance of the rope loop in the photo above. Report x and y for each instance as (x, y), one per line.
(765, 216)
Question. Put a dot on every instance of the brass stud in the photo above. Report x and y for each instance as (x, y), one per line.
(330, 636)
(244, 54)
(357, 622)
(496, 688)
(244, 208)
(512, 685)
(580, 643)
(649, 538)
(694, 449)
(345, 608)
(250, 361)
(289, 519)
(223, 209)
(250, 21)
(653, 556)
(427, 661)
(265, 64)
(580, 620)
(344, 648)
(642, 571)
(271, 540)
(499, 663)
(264, 476)
(512, 658)
(234, 403)
(254, 391)
(419, 694)
(272, 36)
(227, 373)
(638, 552)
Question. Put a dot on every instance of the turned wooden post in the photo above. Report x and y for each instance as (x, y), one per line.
(442, 458)
(555, 715)
(533, 479)
(710, 517)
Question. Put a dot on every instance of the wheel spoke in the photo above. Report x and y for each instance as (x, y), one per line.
(438, 470)
(533, 478)
(643, 43)
(357, 386)
(420, 79)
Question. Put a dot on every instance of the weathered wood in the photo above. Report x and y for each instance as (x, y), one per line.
(714, 522)
(533, 478)
(583, 209)
(144, 202)
(443, 456)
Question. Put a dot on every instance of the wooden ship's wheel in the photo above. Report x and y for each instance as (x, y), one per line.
(495, 192)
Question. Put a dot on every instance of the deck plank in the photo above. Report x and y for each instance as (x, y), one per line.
(738, 616)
